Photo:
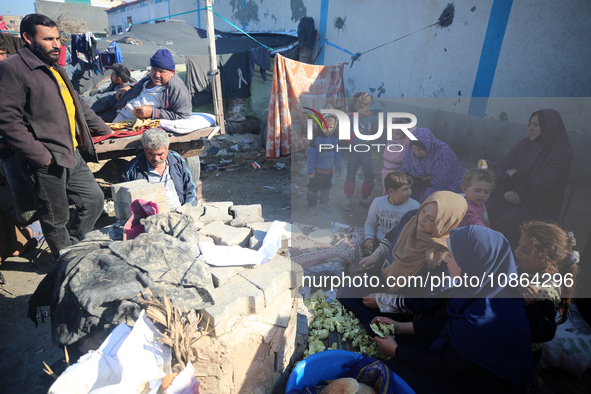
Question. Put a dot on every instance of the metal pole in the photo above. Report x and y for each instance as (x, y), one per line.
(218, 102)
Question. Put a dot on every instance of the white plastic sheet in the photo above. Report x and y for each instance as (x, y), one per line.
(127, 359)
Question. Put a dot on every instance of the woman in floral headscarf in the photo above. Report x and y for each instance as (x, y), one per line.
(432, 165)
(532, 178)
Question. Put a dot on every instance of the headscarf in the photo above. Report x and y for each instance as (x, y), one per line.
(549, 157)
(441, 163)
(487, 329)
(415, 248)
(529, 156)
(393, 159)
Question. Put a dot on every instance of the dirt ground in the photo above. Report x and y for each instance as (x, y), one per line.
(279, 186)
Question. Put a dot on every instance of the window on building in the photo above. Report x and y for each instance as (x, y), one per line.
(12, 22)
(113, 30)
(119, 29)
(129, 22)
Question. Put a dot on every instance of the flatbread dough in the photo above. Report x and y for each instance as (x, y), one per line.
(291, 230)
(322, 236)
(347, 386)
(342, 386)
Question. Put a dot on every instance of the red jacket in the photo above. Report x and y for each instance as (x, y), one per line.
(34, 120)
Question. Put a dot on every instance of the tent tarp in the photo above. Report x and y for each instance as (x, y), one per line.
(182, 40)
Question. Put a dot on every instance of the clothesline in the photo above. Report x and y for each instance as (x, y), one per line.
(444, 20)
(233, 25)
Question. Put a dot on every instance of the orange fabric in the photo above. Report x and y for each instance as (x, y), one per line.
(293, 82)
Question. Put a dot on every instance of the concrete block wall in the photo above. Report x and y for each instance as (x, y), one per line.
(257, 314)
(244, 291)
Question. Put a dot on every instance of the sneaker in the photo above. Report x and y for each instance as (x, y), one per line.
(313, 210)
(326, 208)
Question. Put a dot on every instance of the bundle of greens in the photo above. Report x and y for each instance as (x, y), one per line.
(332, 316)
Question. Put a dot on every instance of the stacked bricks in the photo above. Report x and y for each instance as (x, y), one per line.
(265, 289)
(256, 315)
(125, 193)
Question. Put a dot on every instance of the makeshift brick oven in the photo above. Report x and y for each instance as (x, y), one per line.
(254, 338)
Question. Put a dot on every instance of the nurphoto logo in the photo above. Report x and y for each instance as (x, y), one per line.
(394, 121)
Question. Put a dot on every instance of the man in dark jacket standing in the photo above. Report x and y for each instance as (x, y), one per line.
(47, 124)
(159, 165)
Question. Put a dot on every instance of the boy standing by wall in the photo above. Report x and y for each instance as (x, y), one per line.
(322, 159)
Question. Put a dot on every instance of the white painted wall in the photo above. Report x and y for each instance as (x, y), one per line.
(139, 12)
(543, 53)
(258, 15)
(184, 6)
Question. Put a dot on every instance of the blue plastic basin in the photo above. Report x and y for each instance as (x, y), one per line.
(328, 365)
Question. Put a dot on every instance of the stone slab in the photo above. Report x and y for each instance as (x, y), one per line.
(237, 297)
(122, 211)
(280, 310)
(245, 214)
(251, 210)
(222, 275)
(130, 191)
(193, 212)
(222, 205)
(273, 277)
(260, 226)
(116, 189)
(223, 234)
(215, 215)
(258, 231)
(270, 352)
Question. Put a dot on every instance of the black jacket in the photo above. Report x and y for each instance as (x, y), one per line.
(34, 119)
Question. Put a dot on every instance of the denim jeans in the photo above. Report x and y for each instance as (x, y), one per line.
(54, 188)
